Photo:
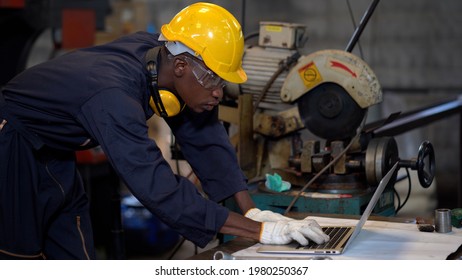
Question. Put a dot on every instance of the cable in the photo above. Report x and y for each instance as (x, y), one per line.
(400, 206)
(283, 65)
(398, 198)
(251, 35)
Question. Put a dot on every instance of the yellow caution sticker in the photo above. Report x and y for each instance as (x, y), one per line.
(310, 75)
(273, 28)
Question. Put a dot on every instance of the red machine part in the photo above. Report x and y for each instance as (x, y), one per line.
(19, 4)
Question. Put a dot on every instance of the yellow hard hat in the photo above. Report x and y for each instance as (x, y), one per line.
(212, 33)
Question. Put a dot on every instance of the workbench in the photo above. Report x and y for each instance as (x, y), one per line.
(238, 244)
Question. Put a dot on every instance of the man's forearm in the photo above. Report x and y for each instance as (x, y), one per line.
(238, 225)
(244, 201)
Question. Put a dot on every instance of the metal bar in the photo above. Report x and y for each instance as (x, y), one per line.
(359, 30)
(409, 121)
(243, 16)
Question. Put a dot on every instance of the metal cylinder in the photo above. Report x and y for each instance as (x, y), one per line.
(443, 220)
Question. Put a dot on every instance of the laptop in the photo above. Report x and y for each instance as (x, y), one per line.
(340, 236)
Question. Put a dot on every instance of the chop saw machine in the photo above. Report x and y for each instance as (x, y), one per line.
(309, 113)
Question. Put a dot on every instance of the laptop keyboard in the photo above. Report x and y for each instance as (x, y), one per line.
(336, 234)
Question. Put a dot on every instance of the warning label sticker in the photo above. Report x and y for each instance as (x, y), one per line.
(310, 75)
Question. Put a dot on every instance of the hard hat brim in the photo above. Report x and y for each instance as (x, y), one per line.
(237, 77)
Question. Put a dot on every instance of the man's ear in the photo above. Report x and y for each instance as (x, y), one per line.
(179, 66)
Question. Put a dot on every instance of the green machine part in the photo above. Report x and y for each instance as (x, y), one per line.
(354, 205)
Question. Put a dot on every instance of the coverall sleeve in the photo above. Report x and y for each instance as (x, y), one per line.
(205, 145)
(118, 123)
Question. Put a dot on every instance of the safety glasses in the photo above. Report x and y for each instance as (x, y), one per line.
(206, 77)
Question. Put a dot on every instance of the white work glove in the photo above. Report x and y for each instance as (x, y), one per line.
(265, 216)
(283, 232)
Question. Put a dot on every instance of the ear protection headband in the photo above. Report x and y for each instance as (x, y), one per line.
(164, 102)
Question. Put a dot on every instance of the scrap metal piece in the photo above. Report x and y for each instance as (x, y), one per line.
(423, 225)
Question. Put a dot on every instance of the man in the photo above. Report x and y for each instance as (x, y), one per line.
(103, 96)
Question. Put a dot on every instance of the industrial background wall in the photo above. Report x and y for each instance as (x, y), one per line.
(413, 47)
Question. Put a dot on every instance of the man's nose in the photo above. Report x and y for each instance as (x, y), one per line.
(218, 93)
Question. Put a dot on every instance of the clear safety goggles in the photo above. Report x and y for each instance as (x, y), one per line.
(206, 77)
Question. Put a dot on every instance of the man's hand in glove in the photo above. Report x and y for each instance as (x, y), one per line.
(283, 232)
(265, 216)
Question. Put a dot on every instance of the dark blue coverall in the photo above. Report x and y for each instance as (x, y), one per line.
(99, 96)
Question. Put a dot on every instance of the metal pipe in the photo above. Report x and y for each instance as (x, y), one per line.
(359, 30)
(406, 122)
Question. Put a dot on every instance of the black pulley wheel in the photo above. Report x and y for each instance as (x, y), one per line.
(381, 155)
(426, 164)
(329, 112)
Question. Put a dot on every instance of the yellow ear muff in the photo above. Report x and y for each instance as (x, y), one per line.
(169, 101)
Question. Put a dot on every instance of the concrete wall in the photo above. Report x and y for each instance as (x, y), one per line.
(412, 44)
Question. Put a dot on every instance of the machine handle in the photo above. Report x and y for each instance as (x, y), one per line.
(426, 150)
(424, 164)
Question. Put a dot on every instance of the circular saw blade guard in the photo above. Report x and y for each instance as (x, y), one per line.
(334, 66)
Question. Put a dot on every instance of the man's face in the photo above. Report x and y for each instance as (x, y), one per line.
(200, 89)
